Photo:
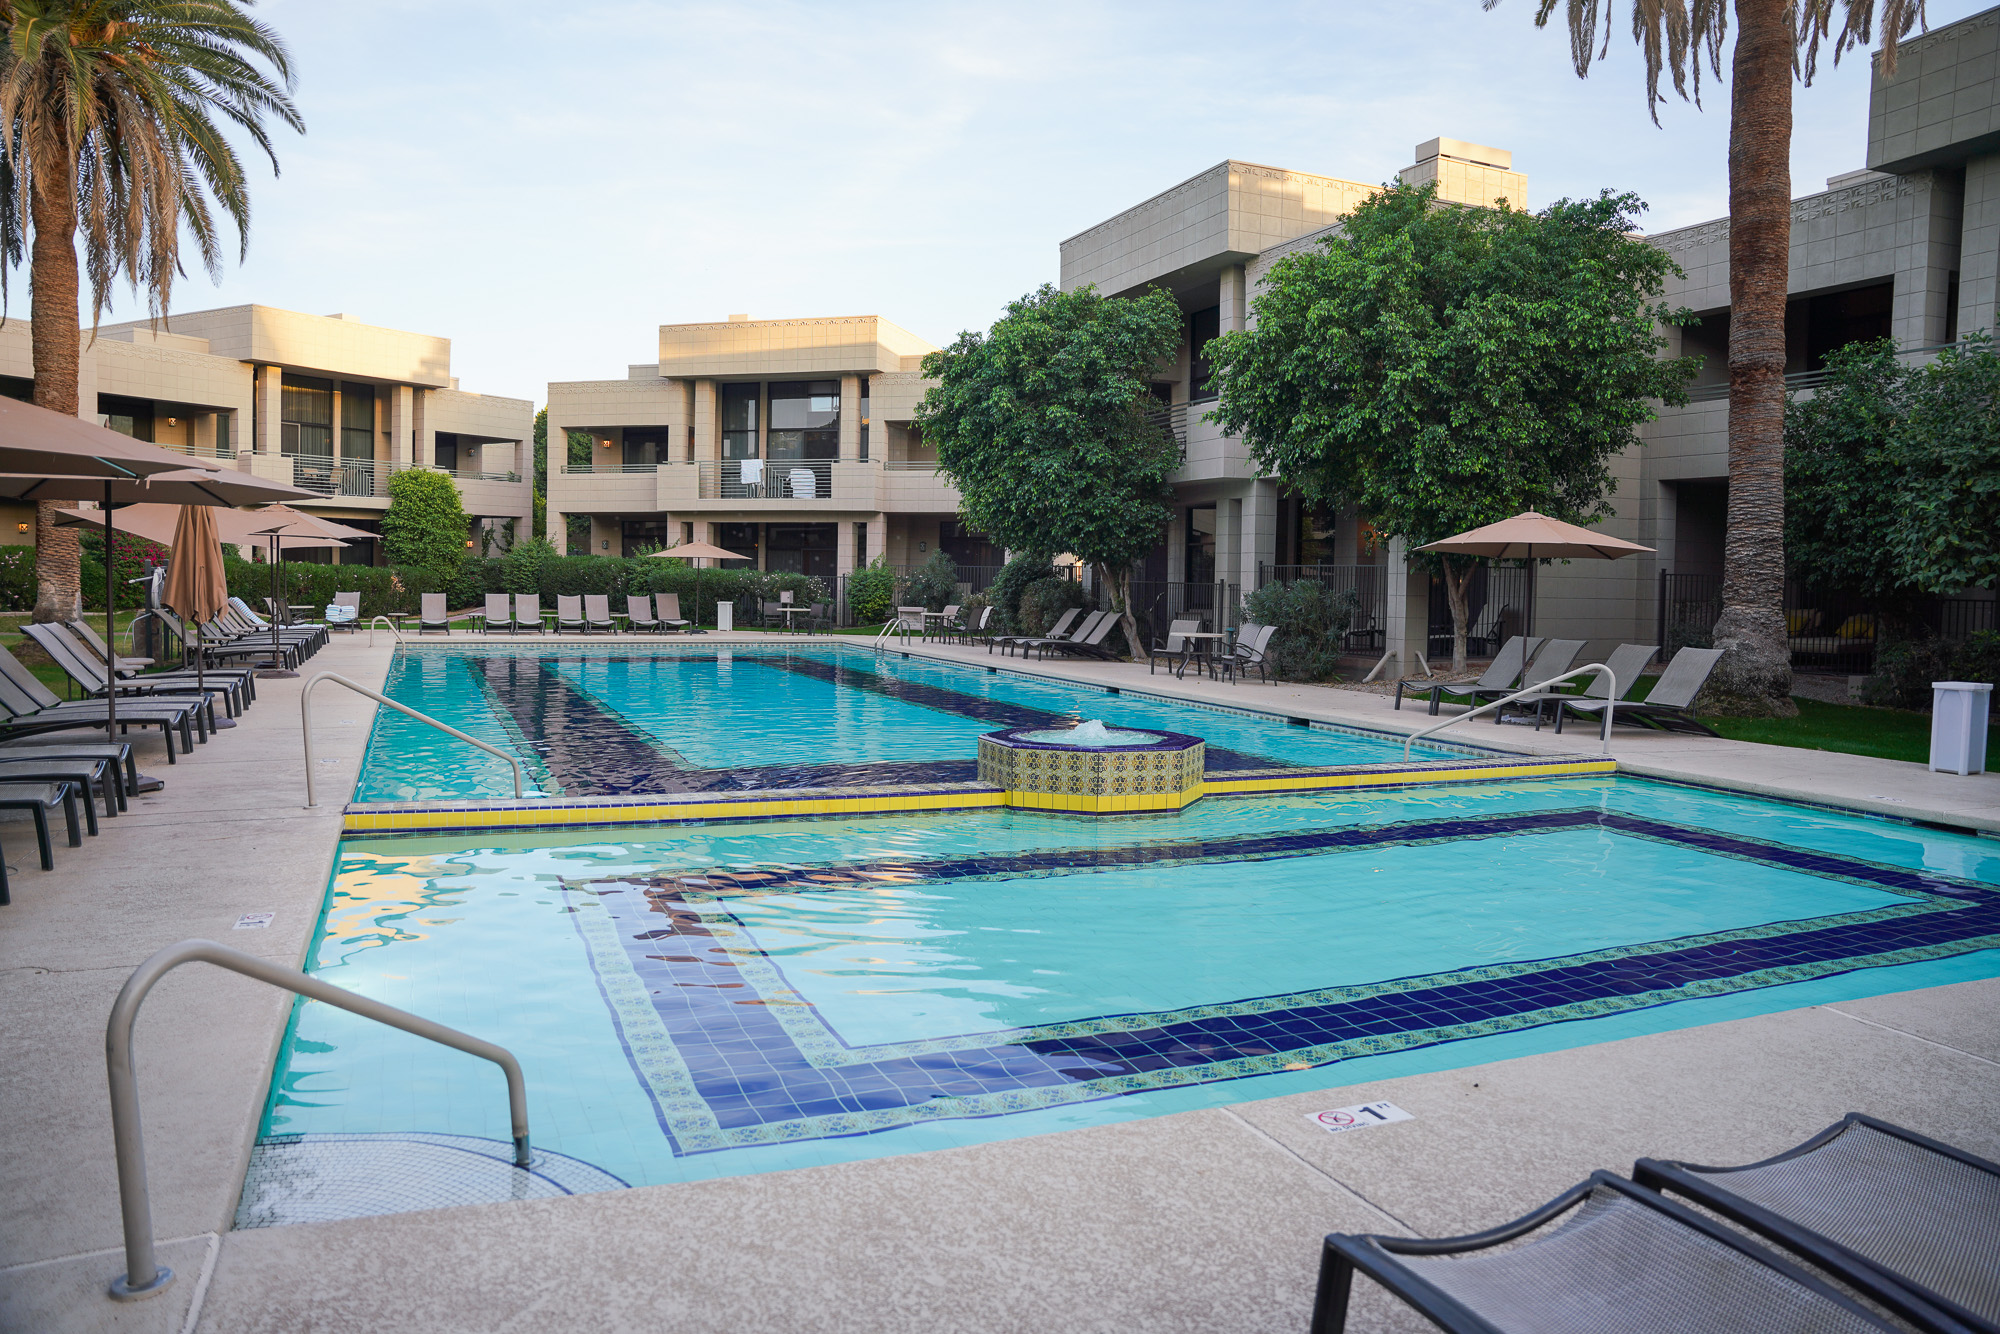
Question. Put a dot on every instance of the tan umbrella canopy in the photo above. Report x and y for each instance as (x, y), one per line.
(36, 440)
(698, 551)
(160, 523)
(288, 523)
(1532, 536)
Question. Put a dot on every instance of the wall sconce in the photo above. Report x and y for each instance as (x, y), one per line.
(923, 546)
(173, 421)
(20, 527)
(605, 443)
(468, 544)
(605, 544)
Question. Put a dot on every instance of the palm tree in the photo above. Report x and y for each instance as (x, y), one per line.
(1775, 39)
(111, 125)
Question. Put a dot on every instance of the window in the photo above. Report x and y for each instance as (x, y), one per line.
(357, 420)
(222, 420)
(740, 538)
(739, 421)
(865, 419)
(805, 419)
(966, 547)
(860, 540)
(1199, 564)
(643, 534)
(646, 446)
(444, 451)
(800, 548)
(1202, 326)
(305, 416)
(127, 416)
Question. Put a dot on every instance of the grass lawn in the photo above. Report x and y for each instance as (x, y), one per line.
(1891, 734)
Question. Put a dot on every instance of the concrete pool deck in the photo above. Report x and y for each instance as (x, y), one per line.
(1199, 1220)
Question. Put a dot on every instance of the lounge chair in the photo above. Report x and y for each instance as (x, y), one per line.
(1498, 679)
(1056, 636)
(83, 775)
(123, 773)
(498, 613)
(1174, 648)
(245, 678)
(432, 614)
(528, 612)
(39, 799)
(218, 644)
(307, 633)
(597, 613)
(1250, 651)
(639, 613)
(32, 709)
(1089, 643)
(79, 666)
(670, 612)
(569, 613)
(236, 621)
(1011, 642)
(1667, 705)
(1626, 662)
(351, 604)
(1906, 1221)
(1620, 1257)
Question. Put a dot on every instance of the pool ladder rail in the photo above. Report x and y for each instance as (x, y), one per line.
(305, 721)
(144, 1276)
(1539, 690)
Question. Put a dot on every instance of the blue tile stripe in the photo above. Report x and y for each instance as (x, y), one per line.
(733, 1056)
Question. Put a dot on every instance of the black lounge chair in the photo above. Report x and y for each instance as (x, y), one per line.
(1011, 642)
(33, 709)
(1088, 643)
(1056, 637)
(244, 679)
(123, 775)
(1904, 1220)
(38, 799)
(1619, 1257)
(1668, 705)
(81, 773)
(88, 674)
(1500, 674)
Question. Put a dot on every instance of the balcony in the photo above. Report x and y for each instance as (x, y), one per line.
(744, 479)
(485, 493)
(779, 485)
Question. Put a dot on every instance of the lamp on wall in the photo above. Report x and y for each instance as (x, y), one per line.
(20, 527)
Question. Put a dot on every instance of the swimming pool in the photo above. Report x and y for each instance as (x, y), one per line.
(714, 1000)
(613, 721)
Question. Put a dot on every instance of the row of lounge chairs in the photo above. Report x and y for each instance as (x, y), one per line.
(583, 613)
(1863, 1212)
(1528, 662)
(46, 768)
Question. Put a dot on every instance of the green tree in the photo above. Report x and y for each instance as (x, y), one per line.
(425, 524)
(1775, 39)
(580, 445)
(110, 148)
(1443, 368)
(1893, 476)
(1042, 425)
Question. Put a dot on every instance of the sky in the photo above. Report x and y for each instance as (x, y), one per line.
(547, 184)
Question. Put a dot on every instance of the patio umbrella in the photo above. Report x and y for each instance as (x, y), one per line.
(698, 551)
(36, 440)
(1532, 536)
(160, 523)
(183, 485)
(196, 587)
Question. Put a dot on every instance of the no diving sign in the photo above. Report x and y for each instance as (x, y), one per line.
(1343, 1119)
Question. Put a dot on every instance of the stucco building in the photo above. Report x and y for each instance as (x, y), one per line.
(787, 440)
(322, 402)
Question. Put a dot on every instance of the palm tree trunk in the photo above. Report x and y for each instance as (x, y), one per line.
(53, 331)
(1754, 677)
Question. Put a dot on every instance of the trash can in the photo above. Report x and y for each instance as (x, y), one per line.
(1958, 725)
(725, 618)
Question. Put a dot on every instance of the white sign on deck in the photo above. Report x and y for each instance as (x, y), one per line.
(1343, 1119)
(254, 921)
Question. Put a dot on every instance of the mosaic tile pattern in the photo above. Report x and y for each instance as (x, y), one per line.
(1160, 775)
(323, 1177)
(733, 1056)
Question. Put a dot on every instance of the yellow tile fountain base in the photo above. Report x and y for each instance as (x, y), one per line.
(1149, 771)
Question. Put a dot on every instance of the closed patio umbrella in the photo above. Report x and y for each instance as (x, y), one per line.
(196, 587)
(698, 551)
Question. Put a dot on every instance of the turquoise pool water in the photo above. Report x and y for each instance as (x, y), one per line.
(704, 1001)
(590, 721)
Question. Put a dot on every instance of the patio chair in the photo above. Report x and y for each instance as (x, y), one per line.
(1011, 642)
(245, 678)
(39, 799)
(1620, 1257)
(670, 612)
(1667, 705)
(1089, 643)
(978, 628)
(1626, 662)
(1906, 1221)
(498, 613)
(528, 612)
(432, 614)
(83, 775)
(770, 613)
(80, 666)
(123, 773)
(1077, 631)
(569, 613)
(1174, 647)
(943, 626)
(639, 613)
(32, 709)
(597, 613)
(1250, 651)
(1499, 676)
(350, 622)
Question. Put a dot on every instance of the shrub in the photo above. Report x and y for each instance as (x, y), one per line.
(17, 578)
(1905, 669)
(934, 583)
(871, 592)
(1007, 587)
(1310, 619)
(522, 566)
(1045, 600)
(425, 525)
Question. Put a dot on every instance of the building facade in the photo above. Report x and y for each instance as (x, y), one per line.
(789, 441)
(322, 402)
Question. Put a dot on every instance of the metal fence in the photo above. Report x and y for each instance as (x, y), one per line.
(1368, 583)
(972, 580)
(1829, 631)
(1500, 602)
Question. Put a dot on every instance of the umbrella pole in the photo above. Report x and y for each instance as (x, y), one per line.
(110, 634)
(277, 667)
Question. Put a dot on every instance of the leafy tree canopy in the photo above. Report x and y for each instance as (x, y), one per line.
(1042, 423)
(1443, 367)
(425, 524)
(1892, 472)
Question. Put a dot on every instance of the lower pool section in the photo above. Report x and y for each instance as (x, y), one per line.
(714, 1000)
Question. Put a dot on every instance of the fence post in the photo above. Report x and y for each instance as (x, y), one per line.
(1660, 635)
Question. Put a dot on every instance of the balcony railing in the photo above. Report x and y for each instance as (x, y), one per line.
(339, 477)
(910, 465)
(776, 479)
(1173, 416)
(462, 476)
(589, 469)
(202, 451)
(1797, 380)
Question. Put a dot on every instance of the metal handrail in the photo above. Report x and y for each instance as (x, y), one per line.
(305, 721)
(1611, 702)
(386, 621)
(144, 1275)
